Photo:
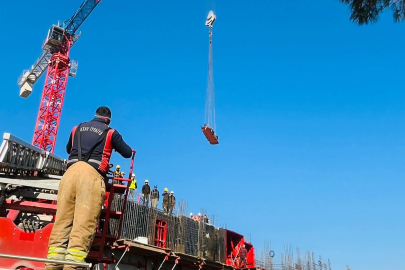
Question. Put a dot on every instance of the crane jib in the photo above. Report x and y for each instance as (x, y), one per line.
(73, 24)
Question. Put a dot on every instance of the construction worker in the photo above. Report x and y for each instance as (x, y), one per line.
(192, 216)
(198, 217)
(154, 196)
(165, 201)
(132, 187)
(146, 193)
(172, 202)
(82, 188)
(119, 174)
(242, 256)
(206, 219)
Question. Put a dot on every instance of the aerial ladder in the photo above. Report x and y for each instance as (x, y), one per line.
(55, 59)
(29, 183)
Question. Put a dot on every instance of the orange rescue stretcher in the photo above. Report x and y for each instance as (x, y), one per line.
(210, 134)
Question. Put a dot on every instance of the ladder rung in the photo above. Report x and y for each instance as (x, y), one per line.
(113, 214)
(98, 236)
(93, 257)
(117, 188)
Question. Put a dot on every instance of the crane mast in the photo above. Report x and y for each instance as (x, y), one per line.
(54, 58)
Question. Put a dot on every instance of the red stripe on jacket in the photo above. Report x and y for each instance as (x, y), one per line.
(73, 137)
(105, 161)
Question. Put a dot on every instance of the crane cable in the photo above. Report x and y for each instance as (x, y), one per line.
(210, 96)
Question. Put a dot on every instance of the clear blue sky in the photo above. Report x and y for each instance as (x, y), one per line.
(310, 113)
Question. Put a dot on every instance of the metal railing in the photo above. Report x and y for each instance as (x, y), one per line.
(34, 259)
(18, 156)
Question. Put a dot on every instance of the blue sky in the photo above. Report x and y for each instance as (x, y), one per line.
(310, 113)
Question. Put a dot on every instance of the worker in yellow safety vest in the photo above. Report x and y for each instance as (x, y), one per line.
(132, 187)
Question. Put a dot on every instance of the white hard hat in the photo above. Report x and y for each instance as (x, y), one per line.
(171, 192)
(191, 214)
(199, 214)
(133, 175)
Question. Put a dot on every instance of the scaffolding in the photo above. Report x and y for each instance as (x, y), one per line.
(289, 262)
(178, 233)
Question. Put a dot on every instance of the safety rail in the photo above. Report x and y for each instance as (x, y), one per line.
(18, 156)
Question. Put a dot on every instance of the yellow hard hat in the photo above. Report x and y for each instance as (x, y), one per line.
(118, 167)
(166, 189)
(146, 181)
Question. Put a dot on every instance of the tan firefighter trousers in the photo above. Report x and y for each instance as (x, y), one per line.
(80, 196)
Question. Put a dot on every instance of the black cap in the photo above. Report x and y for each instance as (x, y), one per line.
(104, 111)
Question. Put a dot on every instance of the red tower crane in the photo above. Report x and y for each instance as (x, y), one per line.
(54, 58)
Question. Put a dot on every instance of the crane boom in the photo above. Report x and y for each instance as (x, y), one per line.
(73, 24)
(36, 69)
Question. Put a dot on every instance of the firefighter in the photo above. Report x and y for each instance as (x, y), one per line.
(154, 196)
(146, 193)
(132, 187)
(242, 256)
(82, 188)
(171, 202)
(165, 201)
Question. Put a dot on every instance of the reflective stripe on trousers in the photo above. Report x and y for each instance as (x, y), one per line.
(56, 253)
(76, 255)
